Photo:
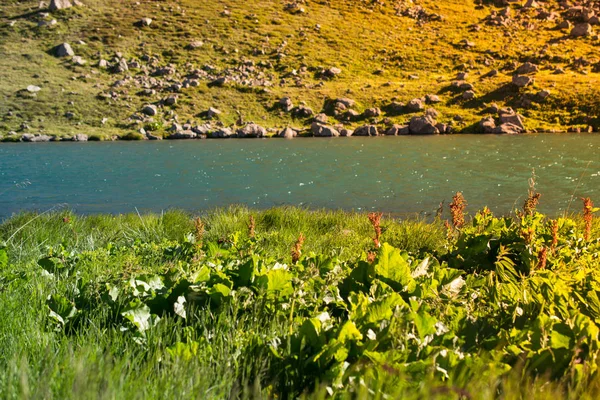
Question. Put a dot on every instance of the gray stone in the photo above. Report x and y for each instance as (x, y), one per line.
(425, 125)
(468, 95)
(366, 130)
(28, 137)
(487, 125)
(184, 134)
(221, 133)
(415, 105)
(288, 133)
(346, 101)
(33, 88)
(345, 132)
(507, 129)
(371, 113)
(64, 50)
(150, 110)
(213, 113)
(397, 130)
(251, 131)
(527, 68)
(60, 4)
(80, 137)
(321, 118)
(514, 119)
(331, 72)
(319, 130)
(521, 81)
(145, 22)
(302, 111)
(171, 100)
(286, 104)
(432, 99)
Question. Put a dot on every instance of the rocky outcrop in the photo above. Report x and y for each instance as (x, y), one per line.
(366, 130)
(64, 50)
(319, 130)
(425, 125)
(251, 131)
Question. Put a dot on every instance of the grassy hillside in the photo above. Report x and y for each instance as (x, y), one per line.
(386, 52)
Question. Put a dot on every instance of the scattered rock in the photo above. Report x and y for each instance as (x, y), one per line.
(331, 72)
(33, 88)
(212, 113)
(527, 68)
(319, 130)
(251, 131)
(150, 110)
(221, 133)
(366, 130)
(60, 4)
(196, 44)
(288, 133)
(286, 104)
(507, 129)
(64, 50)
(345, 132)
(425, 125)
(468, 95)
(522, 81)
(371, 113)
(513, 119)
(415, 105)
(396, 130)
(432, 99)
(321, 118)
(80, 137)
(144, 22)
(487, 125)
(28, 137)
(183, 134)
(171, 100)
(582, 30)
(303, 112)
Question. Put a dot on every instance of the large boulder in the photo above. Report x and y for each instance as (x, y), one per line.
(286, 104)
(425, 125)
(64, 50)
(487, 125)
(396, 130)
(366, 130)
(80, 137)
(514, 119)
(319, 130)
(415, 105)
(28, 137)
(288, 133)
(221, 133)
(183, 134)
(507, 129)
(251, 131)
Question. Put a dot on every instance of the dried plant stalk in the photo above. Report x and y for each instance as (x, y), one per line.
(457, 210)
(297, 249)
(588, 210)
(252, 227)
(375, 219)
(542, 258)
(533, 198)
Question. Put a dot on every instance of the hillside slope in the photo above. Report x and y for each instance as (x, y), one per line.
(160, 65)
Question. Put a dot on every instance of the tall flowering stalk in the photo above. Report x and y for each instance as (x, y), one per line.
(588, 210)
(375, 219)
(252, 227)
(533, 198)
(198, 231)
(542, 258)
(297, 249)
(457, 210)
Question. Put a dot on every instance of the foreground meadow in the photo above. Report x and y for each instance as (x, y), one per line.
(289, 303)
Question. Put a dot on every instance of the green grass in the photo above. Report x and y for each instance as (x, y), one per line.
(96, 359)
(358, 36)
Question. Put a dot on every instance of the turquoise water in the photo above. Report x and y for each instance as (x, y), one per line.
(403, 175)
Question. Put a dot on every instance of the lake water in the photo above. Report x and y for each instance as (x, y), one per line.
(403, 175)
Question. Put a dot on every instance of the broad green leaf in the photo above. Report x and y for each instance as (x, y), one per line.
(277, 282)
(424, 322)
(349, 332)
(392, 268)
(179, 307)
(139, 315)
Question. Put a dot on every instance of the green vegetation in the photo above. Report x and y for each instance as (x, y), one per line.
(286, 302)
(384, 56)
